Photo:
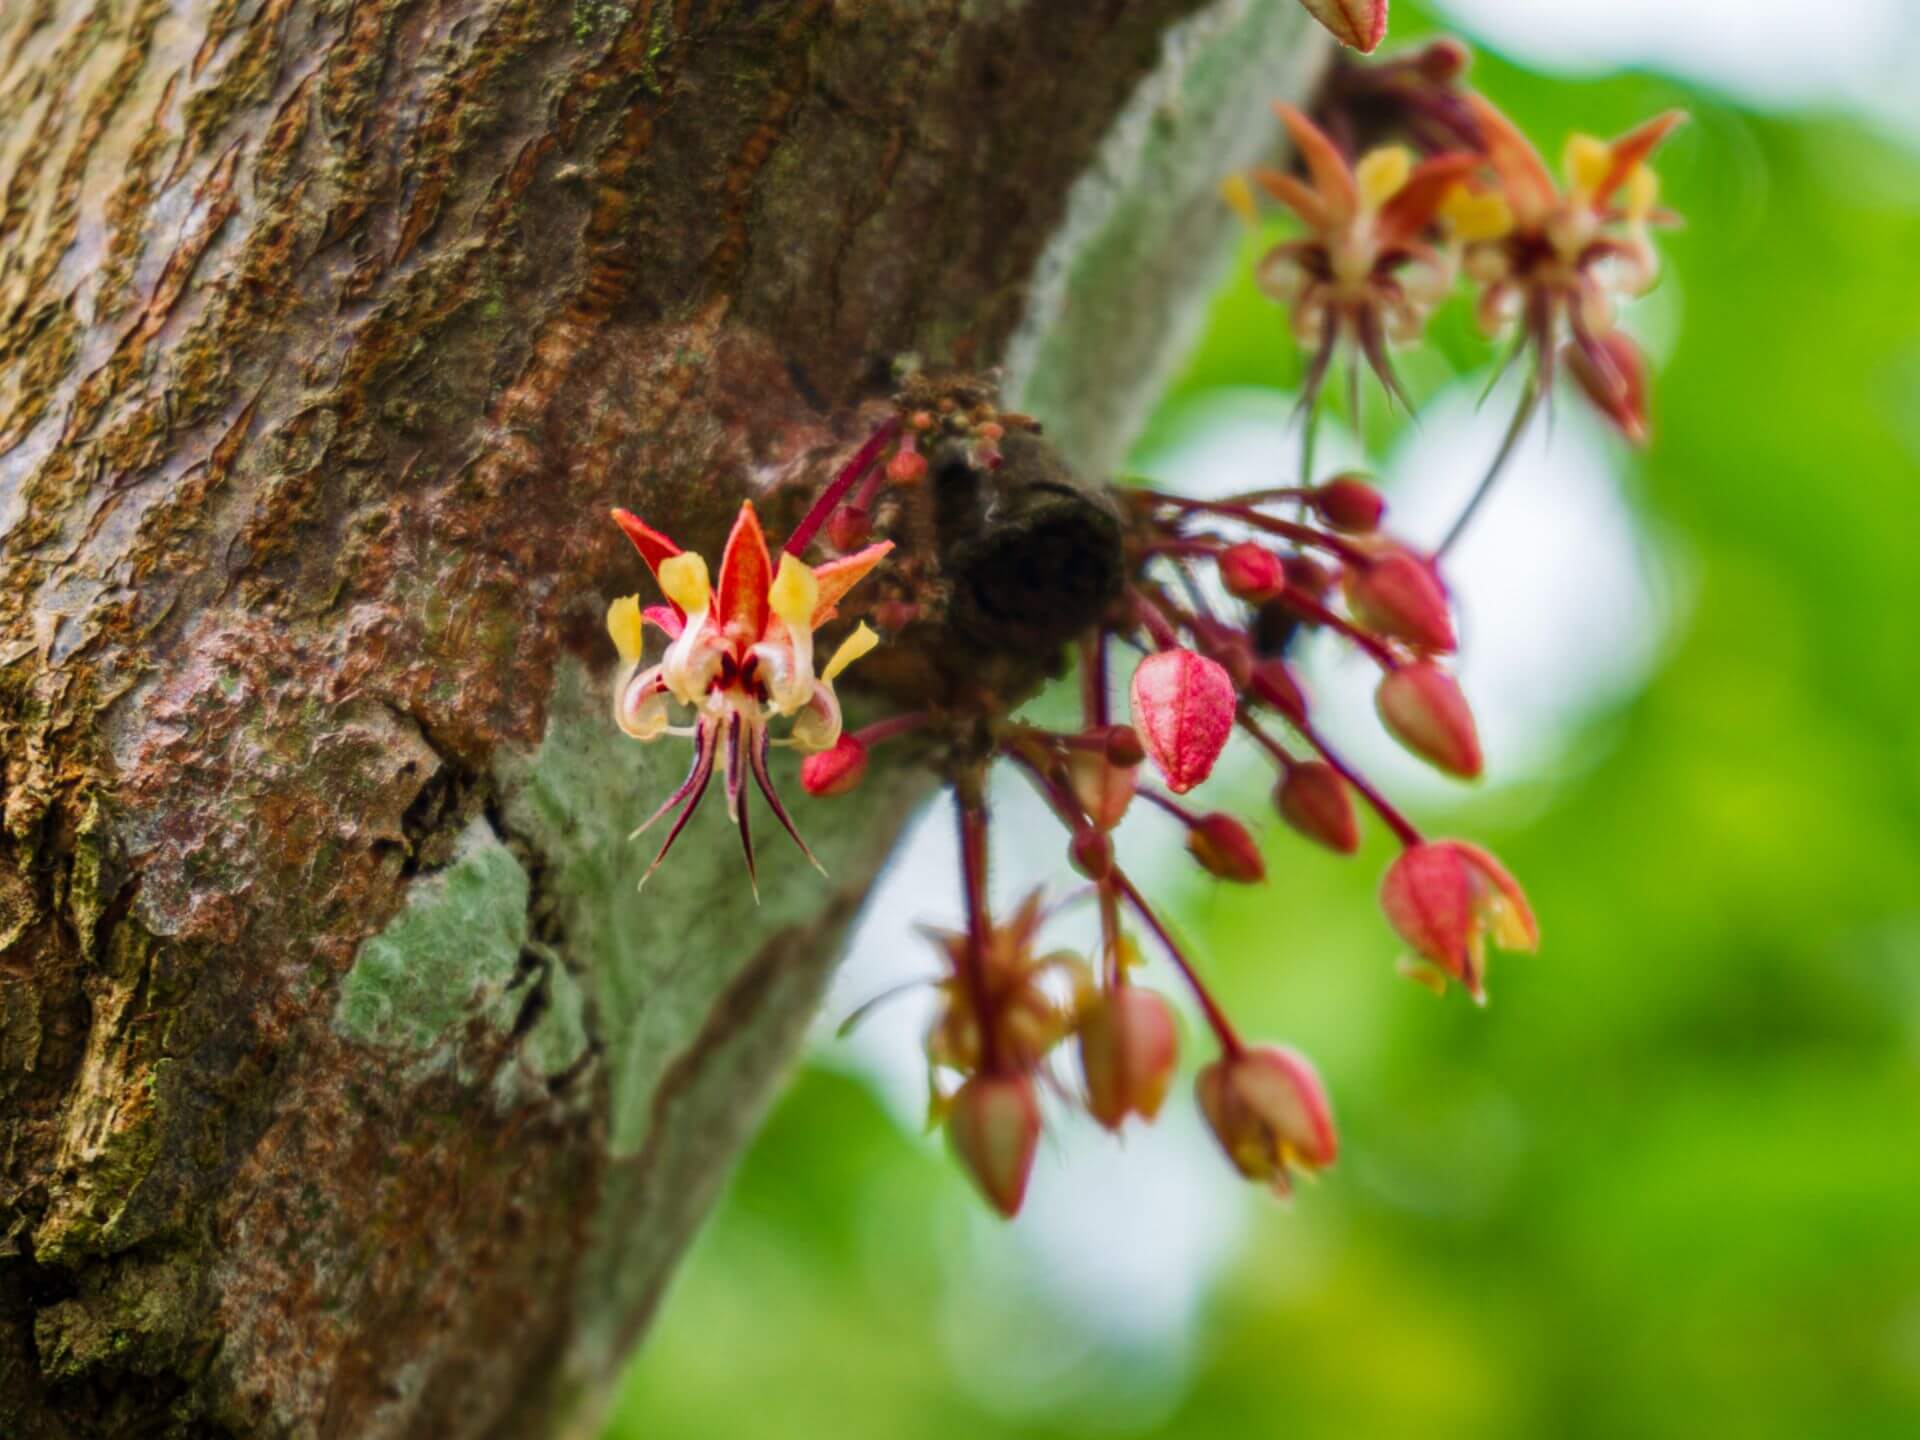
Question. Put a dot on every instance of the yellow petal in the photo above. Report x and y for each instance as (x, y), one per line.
(1474, 216)
(1643, 189)
(625, 625)
(1381, 173)
(851, 649)
(684, 580)
(794, 592)
(1239, 197)
(1587, 163)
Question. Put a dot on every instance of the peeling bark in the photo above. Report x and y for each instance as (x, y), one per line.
(347, 1088)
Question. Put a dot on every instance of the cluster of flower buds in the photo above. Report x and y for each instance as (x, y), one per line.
(1386, 236)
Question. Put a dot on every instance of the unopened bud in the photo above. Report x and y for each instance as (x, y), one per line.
(1251, 572)
(850, 527)
(1091, 853)
(1183, 706)
(907, 465)
(1123, 745)
(1348, 502)
(1443, 61)
(1273, 685)
(835, 771)
(1308, 577)
(1226, 848)
(994, 1125)
(1360, 24)
(1103, 788)
(1397, 594)
(1313, 799)
(1129, 1046)
(1423, 707)
(1269, 1111)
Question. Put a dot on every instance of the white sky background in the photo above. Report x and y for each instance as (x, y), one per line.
(1564, 604)
(1858, 54)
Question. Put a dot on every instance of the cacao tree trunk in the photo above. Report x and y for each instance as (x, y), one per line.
(347, 1085)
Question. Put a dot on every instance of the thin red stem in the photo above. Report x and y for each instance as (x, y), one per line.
(973, 874)
(1154, 621)
(894, 725)
(1319, 614)
(1402, 827)
(1216, 1017)
(1287, 529)
(850, 473)
(1167, 803)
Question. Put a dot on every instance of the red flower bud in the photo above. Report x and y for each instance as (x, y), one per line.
(1445, 897)
(1103, 788)
(1313, 799)
(835, 771)
(1091, 853)
(1128, 1049)
(1361, 24)
(1348, 502)
(1123, 745)
(1270, 1113)
(907, 465)
(1227, 849)
(1612, 373)
(1273, 685)
(1442, 61)
(1423, 707)
(994, 1125)
(1183, 706)
(849, 527)
(1252, 572)
(1397, 594)
(1308, 577)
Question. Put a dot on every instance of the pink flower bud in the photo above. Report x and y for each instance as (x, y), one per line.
(1423, 707)
(1103, 788)
(835, 771)
(1361, 24)
(1612, 373)
(849, 527)
(1396, 594)
(1270, 1113)
(1445, 897)
(1273, 685)
(1313, 799)
(1348, 502)
(1226, 848)
(1252, 572)
(1183, 706)
(1091, 853)
(1128, 1049)
(994, 1125)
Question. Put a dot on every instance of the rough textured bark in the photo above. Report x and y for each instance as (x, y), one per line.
(347, 1088)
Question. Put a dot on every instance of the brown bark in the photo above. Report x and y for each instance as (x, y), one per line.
(346, 1087)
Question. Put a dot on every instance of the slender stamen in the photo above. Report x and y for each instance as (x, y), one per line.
(702, 773)
(702, 760)
(758, 755)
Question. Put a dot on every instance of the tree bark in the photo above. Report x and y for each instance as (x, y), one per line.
(347, 1086)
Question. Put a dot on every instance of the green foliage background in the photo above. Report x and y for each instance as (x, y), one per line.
(1669, 1182)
